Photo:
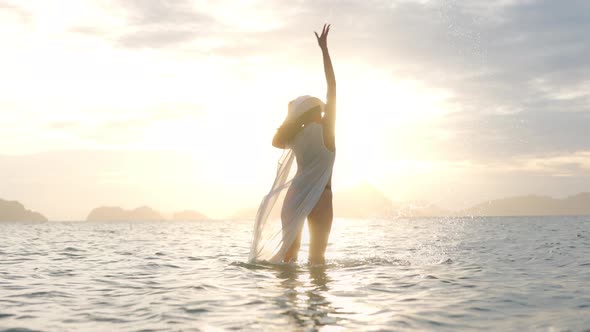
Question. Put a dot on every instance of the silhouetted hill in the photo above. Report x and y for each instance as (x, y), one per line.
(188, 215)
(15, 211)
(245, 213)
(365, 201)
(532, 205)
(362, 201)
(115, 213)
(421, 209)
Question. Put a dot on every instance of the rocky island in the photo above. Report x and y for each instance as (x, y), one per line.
(143, 213)
(115, 213)
(188, 215)
(14, 211)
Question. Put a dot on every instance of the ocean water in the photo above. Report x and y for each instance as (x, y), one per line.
(439, 274)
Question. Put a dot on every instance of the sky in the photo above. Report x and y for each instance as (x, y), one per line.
(173, 104)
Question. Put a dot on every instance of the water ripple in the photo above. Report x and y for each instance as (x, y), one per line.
(506, 274)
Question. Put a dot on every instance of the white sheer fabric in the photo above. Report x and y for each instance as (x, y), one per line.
(296, 190)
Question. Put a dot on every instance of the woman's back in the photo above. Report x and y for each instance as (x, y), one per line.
(309, 148)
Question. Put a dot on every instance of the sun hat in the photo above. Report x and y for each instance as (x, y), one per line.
(302, 104)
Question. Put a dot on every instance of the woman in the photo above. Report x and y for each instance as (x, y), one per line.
(308, 138)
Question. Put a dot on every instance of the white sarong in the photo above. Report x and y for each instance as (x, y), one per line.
(296, 190)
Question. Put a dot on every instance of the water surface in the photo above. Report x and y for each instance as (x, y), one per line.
(438, 274)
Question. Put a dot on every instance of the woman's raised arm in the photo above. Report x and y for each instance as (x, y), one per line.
(330, 111)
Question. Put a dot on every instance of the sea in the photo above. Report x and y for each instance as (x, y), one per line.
(402, 274)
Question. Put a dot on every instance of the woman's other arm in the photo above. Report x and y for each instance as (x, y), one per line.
(285, 133)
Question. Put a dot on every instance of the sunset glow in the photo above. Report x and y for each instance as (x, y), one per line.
(191, 93)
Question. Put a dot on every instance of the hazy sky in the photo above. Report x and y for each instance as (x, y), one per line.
(173, 104)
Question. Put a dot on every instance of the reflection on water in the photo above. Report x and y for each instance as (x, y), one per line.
(303, 298)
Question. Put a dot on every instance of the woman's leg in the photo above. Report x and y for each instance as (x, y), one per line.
(293, 251)
(286, 219)
(320, 224)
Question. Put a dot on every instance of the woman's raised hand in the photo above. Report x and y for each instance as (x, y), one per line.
(323, 38)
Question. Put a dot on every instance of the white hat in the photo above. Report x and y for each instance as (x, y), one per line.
(302, 104)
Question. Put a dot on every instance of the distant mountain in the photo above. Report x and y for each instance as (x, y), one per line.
(188, 215)
(115, 213)
(366, 201)
(15, 211)
(532, 205)
(363, 201)
(245, 213)
(421, 209)
(143, 213)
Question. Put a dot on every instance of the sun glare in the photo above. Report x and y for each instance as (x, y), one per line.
(217, 109)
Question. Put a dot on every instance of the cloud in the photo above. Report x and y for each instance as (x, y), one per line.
(150, 23)
(498, 136)
(20, 13)
(517, 70)
(151, 12)
(158, 23)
